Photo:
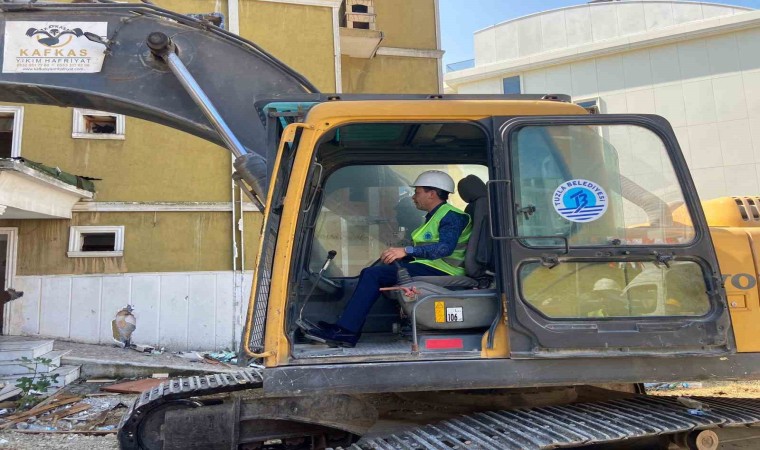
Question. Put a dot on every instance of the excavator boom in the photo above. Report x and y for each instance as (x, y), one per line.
(99, 58)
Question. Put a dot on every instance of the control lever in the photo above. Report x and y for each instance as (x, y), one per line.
(301, 322)
(402, 274)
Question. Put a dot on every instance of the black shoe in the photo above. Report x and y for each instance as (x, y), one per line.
(334, 337)
(327, 326)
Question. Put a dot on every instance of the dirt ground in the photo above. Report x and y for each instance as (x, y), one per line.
(738, 389)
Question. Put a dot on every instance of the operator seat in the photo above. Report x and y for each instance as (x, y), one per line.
(478, 307)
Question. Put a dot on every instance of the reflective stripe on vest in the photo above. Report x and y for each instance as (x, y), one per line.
(428, 234)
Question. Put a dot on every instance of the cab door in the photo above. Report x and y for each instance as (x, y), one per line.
(604, 249)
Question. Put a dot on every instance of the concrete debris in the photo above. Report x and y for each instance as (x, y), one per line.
(191, 356)
(70, 414)
(672, 386)
(692, 404)
(143, 348)
(225, 357)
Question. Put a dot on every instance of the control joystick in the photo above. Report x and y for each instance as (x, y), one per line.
(402, 274)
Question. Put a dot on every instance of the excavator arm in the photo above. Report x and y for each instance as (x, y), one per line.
(190, 75)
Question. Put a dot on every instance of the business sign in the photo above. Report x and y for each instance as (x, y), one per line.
(53, 47)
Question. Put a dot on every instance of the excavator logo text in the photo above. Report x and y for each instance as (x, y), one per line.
(53, 47)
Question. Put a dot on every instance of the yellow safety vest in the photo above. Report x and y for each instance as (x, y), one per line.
(428, 234)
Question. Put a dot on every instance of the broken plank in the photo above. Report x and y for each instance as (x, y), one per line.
(50, 399)
(133, 387)
(19, 417)
(71, 411)
(87, 432)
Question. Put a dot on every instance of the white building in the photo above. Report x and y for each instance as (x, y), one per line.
(695, 63)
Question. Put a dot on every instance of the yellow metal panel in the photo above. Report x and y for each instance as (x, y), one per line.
(407, 24)
(300, 36)
(275, 335)
(154, 242)
(332, 113)
(738, 251)
(390, 75)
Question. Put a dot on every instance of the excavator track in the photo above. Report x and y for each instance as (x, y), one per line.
(571, 425)
(177, 392)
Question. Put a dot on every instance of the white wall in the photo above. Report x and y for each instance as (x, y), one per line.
(179, 311)
(586, 24)
(709, 90)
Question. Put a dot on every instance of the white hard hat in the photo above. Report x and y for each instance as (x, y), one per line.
(435, 179)
(605, 284)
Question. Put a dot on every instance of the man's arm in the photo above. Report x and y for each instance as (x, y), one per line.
(451, 227)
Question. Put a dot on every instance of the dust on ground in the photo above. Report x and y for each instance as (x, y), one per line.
(14, 440)
(737, 389)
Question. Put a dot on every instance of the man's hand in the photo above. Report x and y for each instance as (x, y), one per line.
(392, 254)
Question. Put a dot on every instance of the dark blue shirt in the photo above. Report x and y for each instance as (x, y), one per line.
(449, 229)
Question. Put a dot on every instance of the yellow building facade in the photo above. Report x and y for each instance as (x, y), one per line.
(165, 230)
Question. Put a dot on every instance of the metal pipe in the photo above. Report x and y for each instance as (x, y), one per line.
(204, 103)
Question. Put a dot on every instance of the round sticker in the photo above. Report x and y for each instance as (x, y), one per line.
(580, 200)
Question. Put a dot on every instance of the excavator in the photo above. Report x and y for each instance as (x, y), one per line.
(592, 266)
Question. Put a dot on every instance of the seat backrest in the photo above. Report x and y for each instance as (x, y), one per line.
(479, 253)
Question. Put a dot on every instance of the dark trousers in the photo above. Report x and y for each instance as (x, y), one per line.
(368, 291)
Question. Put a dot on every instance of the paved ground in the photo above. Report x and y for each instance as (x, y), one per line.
(100, 361)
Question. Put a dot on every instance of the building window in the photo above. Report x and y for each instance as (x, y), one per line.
(91, 124)
(590, 105)
(11, 121)
(512, 85)
(96, 241)
(360, 14)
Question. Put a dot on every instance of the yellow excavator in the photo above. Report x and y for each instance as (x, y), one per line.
(591, 269)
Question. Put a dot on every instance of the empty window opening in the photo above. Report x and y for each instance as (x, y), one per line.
(91, 124)
(6, 135)
(363, 9)
(99, 124)
(96, 241)
(11, 122)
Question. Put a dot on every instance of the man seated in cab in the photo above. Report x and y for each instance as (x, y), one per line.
(438, 250)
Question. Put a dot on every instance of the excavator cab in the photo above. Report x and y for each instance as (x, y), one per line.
(573, 238)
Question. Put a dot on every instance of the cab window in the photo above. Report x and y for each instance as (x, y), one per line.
(596, 185)
(607, 290)
(368, 208)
